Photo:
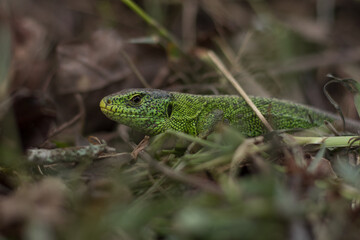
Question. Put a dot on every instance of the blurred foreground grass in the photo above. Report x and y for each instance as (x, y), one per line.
(224, 191)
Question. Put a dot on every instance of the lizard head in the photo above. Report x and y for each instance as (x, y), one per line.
(145, 110)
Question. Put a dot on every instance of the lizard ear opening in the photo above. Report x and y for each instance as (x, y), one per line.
(169, 110)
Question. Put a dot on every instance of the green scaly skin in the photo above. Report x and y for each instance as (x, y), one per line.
(153, 111)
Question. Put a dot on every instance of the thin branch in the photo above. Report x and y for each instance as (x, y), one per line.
(70, 154)
(69, 123)
(232, 80)
(134, 69)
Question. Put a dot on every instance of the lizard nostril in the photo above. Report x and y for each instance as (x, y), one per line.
(108, 101)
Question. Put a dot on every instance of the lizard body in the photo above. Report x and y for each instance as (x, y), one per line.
(153, 111)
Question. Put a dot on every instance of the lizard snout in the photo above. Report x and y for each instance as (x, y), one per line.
(105, 106)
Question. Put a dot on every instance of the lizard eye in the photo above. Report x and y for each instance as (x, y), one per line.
(136, 99)
(108, 101)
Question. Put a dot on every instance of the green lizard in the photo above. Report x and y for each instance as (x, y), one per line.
(153, 111)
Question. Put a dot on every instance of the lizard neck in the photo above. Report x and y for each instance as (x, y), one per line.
(186, 109)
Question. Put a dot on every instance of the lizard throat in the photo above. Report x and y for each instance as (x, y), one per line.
(145, 124)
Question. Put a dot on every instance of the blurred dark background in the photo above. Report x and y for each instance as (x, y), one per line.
(59, 58)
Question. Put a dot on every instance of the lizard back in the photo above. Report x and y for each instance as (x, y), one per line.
(199, 110)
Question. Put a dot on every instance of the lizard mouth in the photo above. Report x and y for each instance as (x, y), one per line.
(112, 113)
(107, 111)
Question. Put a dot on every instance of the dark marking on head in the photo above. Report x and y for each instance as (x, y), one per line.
(169, 109)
